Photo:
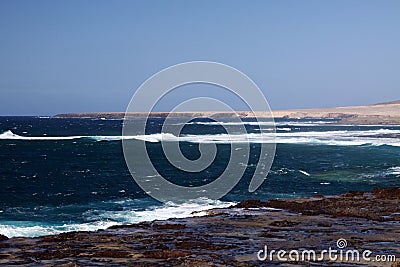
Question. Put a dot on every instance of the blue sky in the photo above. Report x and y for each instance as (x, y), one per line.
(76, 56)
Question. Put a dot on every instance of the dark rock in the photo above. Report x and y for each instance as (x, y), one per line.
(354, 194)
(166, 254)
(284, 223)
(386, 192)
(251, 204)
(169, 226)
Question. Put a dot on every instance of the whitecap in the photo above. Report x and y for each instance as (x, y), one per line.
(32, 229)
(9, 135)
(304, 172)
(166, 211)
(102, 219)
(394, 170)
(339, 137)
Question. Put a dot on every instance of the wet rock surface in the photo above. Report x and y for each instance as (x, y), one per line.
(229, 237)
(382, 204)
(2, 237)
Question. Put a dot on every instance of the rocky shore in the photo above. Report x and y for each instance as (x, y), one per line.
(231, 236)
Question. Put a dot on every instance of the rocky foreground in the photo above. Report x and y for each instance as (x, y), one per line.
(231, 236)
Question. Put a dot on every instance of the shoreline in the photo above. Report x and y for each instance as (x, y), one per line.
(231, 236)
(384, 114)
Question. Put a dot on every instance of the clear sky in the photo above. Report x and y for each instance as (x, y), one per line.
(76, 56)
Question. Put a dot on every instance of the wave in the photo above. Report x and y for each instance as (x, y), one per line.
(341, 138)
(167, 211)
(33, 229)
(284, 129)
(304, 123)
(9, 135)
(251, 123)
(102, 219)
(265, 123)
(304, 172)
(394, 170)
(152, 138)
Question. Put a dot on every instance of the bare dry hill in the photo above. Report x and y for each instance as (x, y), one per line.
(381, 113)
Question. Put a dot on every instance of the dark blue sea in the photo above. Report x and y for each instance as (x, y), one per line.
(59, 175)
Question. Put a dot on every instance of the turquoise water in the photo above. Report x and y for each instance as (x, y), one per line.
(62, 175)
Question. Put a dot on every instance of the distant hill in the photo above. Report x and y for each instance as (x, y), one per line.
(388, 103)
(381, 113)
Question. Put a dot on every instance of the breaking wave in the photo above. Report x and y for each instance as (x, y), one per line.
(102, 219)
(340, 138)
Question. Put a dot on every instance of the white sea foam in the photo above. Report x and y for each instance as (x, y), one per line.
(394, 170)
(284, 129)
(103, 219)
(304, 172)
(340, 138)
(9, 135)
(151, 138)
(265, 123)
(167, 211)
(316, 123)
(32, 229)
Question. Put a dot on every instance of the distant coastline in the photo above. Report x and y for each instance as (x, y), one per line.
(383, 113)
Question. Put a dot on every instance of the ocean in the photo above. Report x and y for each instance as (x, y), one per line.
(59, 175)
